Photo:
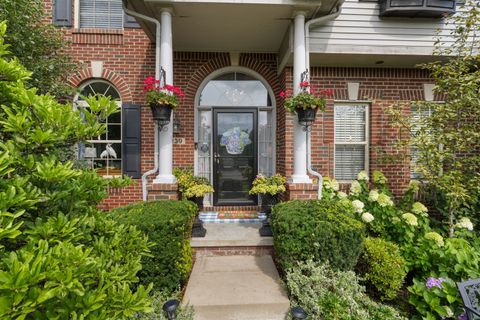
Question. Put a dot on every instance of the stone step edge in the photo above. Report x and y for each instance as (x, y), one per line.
(212, 217)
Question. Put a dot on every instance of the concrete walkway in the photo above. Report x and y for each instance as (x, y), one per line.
(236, 288)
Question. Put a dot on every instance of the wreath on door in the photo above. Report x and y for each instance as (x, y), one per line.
(235, 140)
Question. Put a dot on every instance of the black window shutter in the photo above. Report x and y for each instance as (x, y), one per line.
(130, 22)
(131, 140)
(62, 13)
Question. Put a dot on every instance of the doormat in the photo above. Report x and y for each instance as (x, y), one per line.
(237, 215)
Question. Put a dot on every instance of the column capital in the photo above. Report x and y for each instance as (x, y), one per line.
(167, 10)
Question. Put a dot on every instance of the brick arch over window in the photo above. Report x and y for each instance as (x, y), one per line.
(120, 84)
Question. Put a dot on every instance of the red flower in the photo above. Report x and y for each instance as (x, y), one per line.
(304, 84)
(282, 94)
(149, 80)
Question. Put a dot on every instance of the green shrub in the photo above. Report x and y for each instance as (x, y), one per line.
(383, 267)
(60, 257)
(319, 230)
(168, 224)
(333, 295)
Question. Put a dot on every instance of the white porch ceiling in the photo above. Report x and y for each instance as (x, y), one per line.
(230, 25)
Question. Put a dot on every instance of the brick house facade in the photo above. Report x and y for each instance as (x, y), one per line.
(124, 57)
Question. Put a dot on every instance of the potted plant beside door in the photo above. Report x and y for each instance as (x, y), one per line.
(161, 99)
(306, 103)
(269, 189)
(194, 189)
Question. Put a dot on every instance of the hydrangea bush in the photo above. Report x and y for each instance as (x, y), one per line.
(428, 253)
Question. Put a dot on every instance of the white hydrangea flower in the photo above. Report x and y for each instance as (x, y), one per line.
(410, 219)
(465, 223)
(341, 195)
(362, 175)
(367, 217)
(327, 183)
(419, 208)
(335, 185)
(373, 196)
(358, 205)
(435, 237)
(414, 185)
(384, 200)
(355, 187)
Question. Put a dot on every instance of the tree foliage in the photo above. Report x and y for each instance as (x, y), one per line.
(448, 141)
(60, 258)
(37, 44)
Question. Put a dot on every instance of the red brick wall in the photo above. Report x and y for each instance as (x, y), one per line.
(128, 57)
(383, 87)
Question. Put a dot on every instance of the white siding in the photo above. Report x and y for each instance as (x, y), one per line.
(359, 29)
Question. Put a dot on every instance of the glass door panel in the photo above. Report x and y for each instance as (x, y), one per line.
(235, 156)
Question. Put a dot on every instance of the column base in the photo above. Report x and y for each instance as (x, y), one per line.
(302, 191)
(165, 179)
(300, 178)
(162, 191)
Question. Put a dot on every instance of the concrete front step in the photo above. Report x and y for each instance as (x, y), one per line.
(241, 312)
(232, 235)
(236, 287)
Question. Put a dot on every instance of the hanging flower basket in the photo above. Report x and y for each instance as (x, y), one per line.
(161, 112)
(306, 115)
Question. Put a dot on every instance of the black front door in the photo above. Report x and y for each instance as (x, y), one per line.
(234, 156)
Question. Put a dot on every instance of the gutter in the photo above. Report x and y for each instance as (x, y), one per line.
(157, 76)
(321, 20)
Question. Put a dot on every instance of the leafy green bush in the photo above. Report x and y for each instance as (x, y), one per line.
(383, 267)
(168, 224)
(319, 230)
(333, 295)
(60, 258)
(436, 299)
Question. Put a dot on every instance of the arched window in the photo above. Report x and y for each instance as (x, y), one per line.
(235, 89)
(103, 153)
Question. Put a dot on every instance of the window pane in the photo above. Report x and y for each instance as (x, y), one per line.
(101, 14)
(114, 132)
(349, 161)
(235, 89)
(418, 116)
(350, 123)
(115, 118)
(265, 143)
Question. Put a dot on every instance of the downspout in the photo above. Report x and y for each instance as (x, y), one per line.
(308, 25)
(157, 76)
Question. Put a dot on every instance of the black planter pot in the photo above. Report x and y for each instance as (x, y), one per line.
(198, 201)
(306, 115)
(161, 112)
(198, 231)
(268, 201)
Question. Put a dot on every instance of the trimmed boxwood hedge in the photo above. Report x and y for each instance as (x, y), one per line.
(168, 225)
(321, 230)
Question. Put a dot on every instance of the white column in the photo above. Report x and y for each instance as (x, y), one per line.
(166, 136)
(300, 137)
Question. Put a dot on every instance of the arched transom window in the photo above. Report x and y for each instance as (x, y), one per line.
(235, 89)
